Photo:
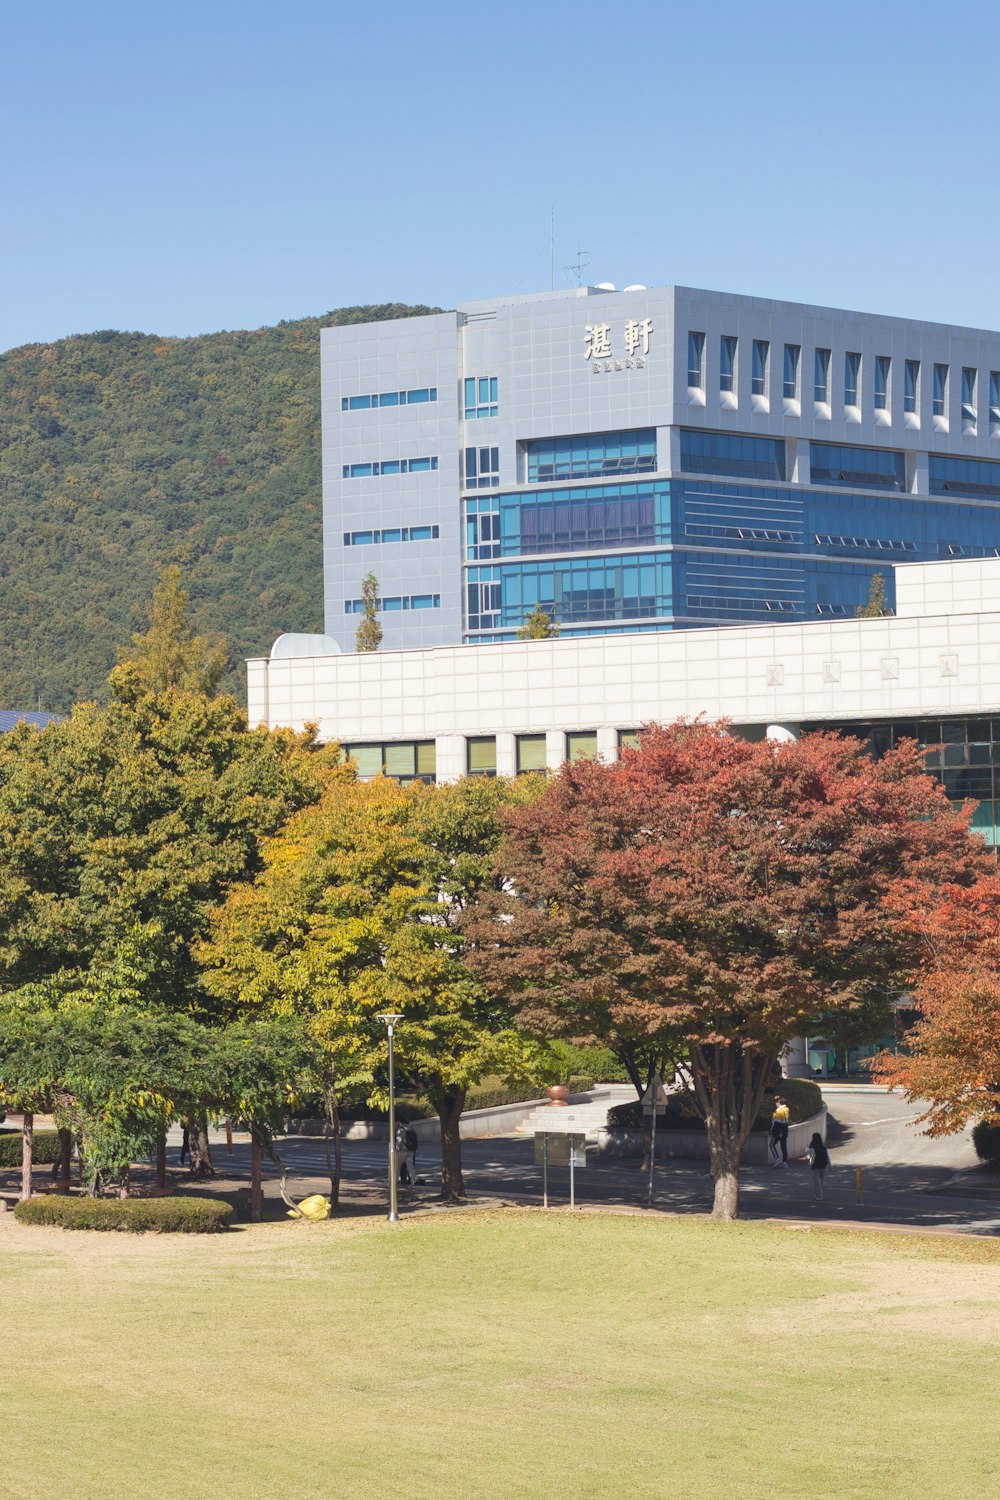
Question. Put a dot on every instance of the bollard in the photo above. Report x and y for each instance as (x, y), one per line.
(859, 1178)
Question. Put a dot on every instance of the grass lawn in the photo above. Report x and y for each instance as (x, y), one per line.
(499, 1356)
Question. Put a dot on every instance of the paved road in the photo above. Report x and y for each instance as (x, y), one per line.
(904, 1173)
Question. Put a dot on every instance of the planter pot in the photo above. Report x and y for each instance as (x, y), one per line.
(558, 1094)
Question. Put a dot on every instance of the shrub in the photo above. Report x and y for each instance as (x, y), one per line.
(986, 1139)
(133, 1215)
(46, 1148)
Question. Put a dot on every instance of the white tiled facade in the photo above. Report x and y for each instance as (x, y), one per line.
(939, 656)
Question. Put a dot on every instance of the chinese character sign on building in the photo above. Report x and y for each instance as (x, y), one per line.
(635, 345)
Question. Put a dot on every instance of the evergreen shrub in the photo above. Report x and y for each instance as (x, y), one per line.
(131, 1215)
(986, 1139)
(46, 1148)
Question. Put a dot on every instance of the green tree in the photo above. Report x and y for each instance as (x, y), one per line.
(875, 608)
(368, 635)
(538, 626)
(170, 654)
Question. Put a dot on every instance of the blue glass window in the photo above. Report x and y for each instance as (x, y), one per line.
(482, 468)
(911, 384)
(963, 476)
(388, 398)
(588, 519)
(758, 371)
(867, 468)
(393, 534)
(852, 379)
(481, 396)
(582, 457)
(969, 394)
(995, 397)
(696, 361)
(727, 362)
(882, 367)
(940, 406)
(589, 590)
(389, 466)
(395, 602)
(730, 453)
(790, 384)
(821, 377)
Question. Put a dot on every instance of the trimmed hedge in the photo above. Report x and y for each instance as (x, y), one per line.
(986, 1139)
(46, 1148)
(132, 1215)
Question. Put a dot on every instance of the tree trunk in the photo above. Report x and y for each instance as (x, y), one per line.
(27, 1154)
(449, 1105)
(256, 1178)
(335, 1167)
(725, 1159)
(123, 1182)
(200, 1151)
(65, 1157)
(161, 1161)
(728, 1082)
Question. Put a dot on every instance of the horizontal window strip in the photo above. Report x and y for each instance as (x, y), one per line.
(388, 466)
(391, 534)
(416, 397)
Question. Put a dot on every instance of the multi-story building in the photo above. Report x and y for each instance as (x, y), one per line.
(646, 460)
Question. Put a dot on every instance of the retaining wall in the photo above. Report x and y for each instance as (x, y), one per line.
(692, 1145)
(502, 1119)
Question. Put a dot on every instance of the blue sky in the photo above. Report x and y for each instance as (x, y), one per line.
(184, 167)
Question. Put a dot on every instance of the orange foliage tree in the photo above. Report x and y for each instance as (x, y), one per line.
(952, 1061)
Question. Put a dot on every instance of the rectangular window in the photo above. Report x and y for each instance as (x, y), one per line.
(994, 398)
(727, 362)
(883, 365)
(696, 361)
(791, 378)
(530, 753)
(863, 468)
(969, 394)
(911, 384)
(730, 453)
(481, 756)
(852, 379)
(581, 745)
(395, 602)
(821, 378)
(963, 476)
(758, 372)
(628, 739)
(388, 398)
(389, 466)
(413, 760)
(940, 406)
(590, 454)
(481, 396)
(482, 468)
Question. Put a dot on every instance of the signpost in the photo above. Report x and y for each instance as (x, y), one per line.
(654, 1102)
(561, 1149)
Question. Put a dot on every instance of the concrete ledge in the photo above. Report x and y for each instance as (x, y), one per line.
(692, 1145)
(501, 1119)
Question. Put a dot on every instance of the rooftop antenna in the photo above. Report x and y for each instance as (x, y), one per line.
(579, 265)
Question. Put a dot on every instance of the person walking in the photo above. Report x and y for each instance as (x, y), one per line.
(412, 1143)
(819, 1160)
(404, 1157)
(778, 1142)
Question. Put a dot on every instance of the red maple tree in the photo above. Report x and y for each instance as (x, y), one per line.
(952, 1062)
(710, 898)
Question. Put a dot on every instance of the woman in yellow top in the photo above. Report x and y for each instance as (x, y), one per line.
(778, 1143)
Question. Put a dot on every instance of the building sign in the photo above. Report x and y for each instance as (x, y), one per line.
(634, 346)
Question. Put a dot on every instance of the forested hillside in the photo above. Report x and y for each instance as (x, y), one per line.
(122, 452)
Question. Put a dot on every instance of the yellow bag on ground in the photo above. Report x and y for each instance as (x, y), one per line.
(314, 1208)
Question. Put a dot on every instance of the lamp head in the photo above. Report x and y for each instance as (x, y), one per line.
(389, 1019)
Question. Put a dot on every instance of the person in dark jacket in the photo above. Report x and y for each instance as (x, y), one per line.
(819, 1160)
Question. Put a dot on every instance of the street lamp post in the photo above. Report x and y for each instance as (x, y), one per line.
(389, 1021)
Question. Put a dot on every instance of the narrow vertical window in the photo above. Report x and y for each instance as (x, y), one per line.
(791, 377)
(995, 398)
(727, 362)
(852, 378)
(911, 382)
(758, 373)
(822, 376)
(882, 367)
(969, 394)
(696, 357)
(940, 390)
